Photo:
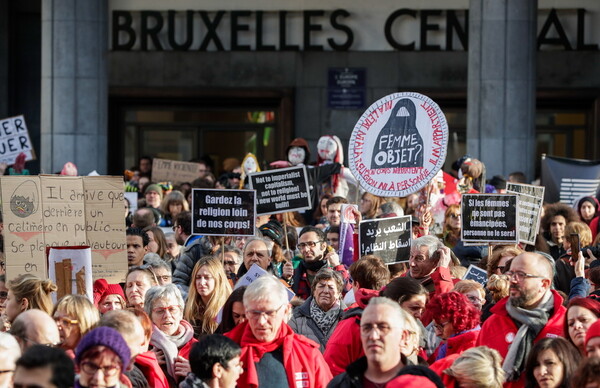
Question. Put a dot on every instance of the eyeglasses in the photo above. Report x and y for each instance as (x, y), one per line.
(310, 244)
(474, 299)
(501, 268)
(50, 345)
(440, 326)
(256, 314)
(520, 275)
(455, 216)
(91, 368)
(173, 310)
(382, 328)
(65, 322)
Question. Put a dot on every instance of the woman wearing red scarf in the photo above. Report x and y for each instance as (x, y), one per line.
(272, 353)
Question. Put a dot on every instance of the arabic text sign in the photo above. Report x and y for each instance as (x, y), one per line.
(64, 211)
(281, 190)
(388, 238)
(14, 139)
(489, 218)
(531, 199)
(175, 171)
(223, 212)
(398, 144)
(477, 274)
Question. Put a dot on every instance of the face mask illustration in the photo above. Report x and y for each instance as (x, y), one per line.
(399, 144)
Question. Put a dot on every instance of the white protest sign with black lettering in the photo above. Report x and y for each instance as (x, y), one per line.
(489, 218)
(14, 139)
(223, 212)
(281, 190)
(398, 144)
(388, 238)
(531, 199)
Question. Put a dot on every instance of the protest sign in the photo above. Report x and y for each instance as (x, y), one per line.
(388, 238)
(531, 199)
(477, 274)
(489, 218)
(398, 144)
(14, 139)
(567, 180)
(254, 273)
(175, 171)
(281, 190)
(70, 268)
(42, 211)
(223, 212)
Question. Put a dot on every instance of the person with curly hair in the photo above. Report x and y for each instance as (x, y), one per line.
(556, 217)
(456, 321)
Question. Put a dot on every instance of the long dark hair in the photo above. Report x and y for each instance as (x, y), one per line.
(566, 352)
(227, 323)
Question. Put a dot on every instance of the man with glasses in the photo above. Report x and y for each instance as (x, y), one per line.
(316, 254)
(383, 333)
(532, 311)
(35, 327)
(265, 338)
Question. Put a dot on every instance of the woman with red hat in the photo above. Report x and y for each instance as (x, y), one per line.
(581, 314)
(107, 296)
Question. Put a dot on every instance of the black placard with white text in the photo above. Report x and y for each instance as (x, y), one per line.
(281, 190)
(223, 212)
(387, 238)
(489, 218)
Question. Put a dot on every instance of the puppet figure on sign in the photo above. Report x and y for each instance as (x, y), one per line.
(399, 143)
(330, 151)
(249, 165)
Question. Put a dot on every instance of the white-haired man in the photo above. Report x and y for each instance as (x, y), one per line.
(273, 355)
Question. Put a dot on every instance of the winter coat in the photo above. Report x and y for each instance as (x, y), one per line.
(302, 323)
(353, 375)
(499, 330)
(458, 344)
(344, 346)
(303, 363)
(191, 381)
(187, 260)
(151, 369)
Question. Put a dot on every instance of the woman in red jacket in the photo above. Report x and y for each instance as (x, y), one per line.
(456, 321)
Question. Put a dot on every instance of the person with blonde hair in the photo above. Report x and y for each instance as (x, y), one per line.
(496, 264)
(28, 292)
(11, 351)
(473, 290)
(74, 315)
(476, 367)
(209, 290)
(565, 271)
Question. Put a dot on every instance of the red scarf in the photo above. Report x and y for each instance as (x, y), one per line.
(253, 350)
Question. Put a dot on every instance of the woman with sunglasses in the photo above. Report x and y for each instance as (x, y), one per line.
(456, 322)
(138, 281)
(208, 292)
(172, 336)
(451, 226)
(74, 315)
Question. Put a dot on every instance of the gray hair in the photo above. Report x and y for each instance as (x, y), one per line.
(158, 292)
(431, 242)
(156, 262)
(267, 287)
(237, 252)
(389, 207)
(383, 301)
(327, 273)
(268, 244)
(9, 347)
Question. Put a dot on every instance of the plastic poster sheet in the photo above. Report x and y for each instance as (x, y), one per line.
(47, 210)
(281, 190)
(14, 139)
(398, 145)
(70, 268)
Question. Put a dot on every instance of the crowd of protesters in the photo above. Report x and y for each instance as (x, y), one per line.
(322, 316)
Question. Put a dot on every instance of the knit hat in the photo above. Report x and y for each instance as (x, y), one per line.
(102, 289)
(593, 201)
(274, 231)
(593, 331)
(154, 187)
(104, 336)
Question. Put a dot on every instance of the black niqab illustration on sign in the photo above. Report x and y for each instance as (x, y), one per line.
(399, 143)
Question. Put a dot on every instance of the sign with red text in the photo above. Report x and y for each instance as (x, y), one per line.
(398, 144)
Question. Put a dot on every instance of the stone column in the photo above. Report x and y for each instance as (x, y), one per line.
(3, 58)
(502, 85)
(74, 85)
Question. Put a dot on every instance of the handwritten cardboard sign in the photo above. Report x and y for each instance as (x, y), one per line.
(223, 212)
(477, 274)
(42, 211)
(398, 144)
(388, 238)
(14, 139)
(531, 199)
(489, 218)
(281, 190)
(175, 171)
